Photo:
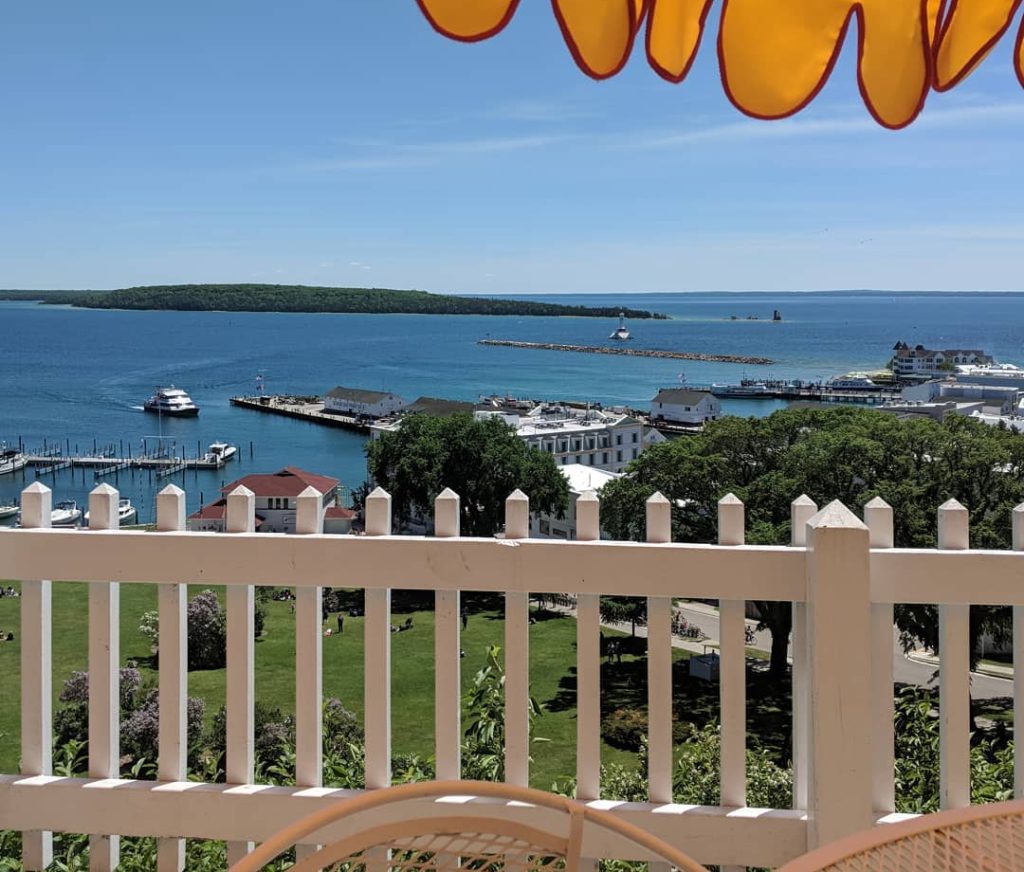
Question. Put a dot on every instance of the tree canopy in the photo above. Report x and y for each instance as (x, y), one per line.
(482, 461)
(304, 298)
(844, 453)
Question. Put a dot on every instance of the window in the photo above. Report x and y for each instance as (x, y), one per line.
(618, 456)
(578, 458)
(545, 528)
(618, 438)
(636, 438)
(604, 457)
(634, 454)
(591, 459)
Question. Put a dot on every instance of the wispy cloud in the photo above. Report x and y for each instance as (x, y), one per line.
(537, 110)
(411, 155)
(750, 131)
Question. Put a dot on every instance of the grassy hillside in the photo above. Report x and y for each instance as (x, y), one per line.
(300, 298)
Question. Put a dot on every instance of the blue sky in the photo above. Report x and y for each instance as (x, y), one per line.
(344, 142)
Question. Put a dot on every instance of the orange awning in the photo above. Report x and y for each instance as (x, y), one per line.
(774, 55)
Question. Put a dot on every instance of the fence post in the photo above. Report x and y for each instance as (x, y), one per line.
(839, 624)
(588, 662)
(517, 655)
(447, 648)
(954, 675)
(377, 634)
(241, 668)
(659, 665)
(104, 677)
(173, 676)
(36, 675)
(801, 510)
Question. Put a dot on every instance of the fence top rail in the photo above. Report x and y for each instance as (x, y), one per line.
(408, 562)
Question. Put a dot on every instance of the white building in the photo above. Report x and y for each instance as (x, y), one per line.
(590, 437)
(356, 401)
(919, 360)
(580, 479)
(685, 406)
(275, 504)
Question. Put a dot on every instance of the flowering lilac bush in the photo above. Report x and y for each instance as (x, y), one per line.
(140, 719)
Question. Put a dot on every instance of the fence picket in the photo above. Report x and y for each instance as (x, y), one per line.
(36, 676)
(240, 601)
(878, 517)
(517, 655)
(377, 633)
(732, 682)
(954, 675)
(588, 663)
(659, 666)
(802, 509)
(104, 676)
(1018, 663)
(447, 653)
(173, 676)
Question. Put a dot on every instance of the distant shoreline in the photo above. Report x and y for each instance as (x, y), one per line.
(306, 299)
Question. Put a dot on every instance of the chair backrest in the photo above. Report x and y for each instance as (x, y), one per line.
(989, 837)
(452, 825)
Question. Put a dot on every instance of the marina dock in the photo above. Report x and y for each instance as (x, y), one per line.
(309, 409)
(630, 352)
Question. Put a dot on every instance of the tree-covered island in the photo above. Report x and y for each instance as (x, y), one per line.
(302, 298)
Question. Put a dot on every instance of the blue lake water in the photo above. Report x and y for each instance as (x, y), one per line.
(79, 375)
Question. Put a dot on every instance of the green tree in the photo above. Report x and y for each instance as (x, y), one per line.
(847, 454)
(482, 461)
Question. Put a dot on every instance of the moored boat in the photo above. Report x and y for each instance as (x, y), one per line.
(126, 512)
(65, 514)
(11, 460)
(171, 401)
(221, 452)
(8, 511)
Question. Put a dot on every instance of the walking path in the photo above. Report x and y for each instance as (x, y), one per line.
(919, 668)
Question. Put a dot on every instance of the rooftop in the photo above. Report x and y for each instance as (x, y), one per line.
(684, 396)
(288, 482)
(358, 395)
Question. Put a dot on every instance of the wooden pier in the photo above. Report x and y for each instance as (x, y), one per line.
(304, 408)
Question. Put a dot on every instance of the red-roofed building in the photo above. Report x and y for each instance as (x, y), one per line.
(276, 496)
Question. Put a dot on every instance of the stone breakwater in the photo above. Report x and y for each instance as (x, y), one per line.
(631, 352)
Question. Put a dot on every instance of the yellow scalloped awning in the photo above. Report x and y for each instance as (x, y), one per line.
(774, 55)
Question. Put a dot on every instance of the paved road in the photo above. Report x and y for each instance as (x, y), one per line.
(905, 670)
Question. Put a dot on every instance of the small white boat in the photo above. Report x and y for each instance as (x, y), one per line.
(8, 511)
(126, 513)
(11, 460)
(221, 452)
(172, 401)
(621, 332)
(65, 514)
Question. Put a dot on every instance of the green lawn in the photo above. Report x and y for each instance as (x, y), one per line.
(552, 659)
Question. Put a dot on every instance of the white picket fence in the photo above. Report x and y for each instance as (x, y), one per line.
(841, 576)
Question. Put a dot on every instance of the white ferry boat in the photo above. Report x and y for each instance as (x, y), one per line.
(854, 381)
(621, 332)
(65, 514)
(11, 460)
(171, 401)
(126, 512)
(745, 389)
